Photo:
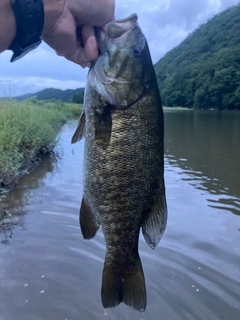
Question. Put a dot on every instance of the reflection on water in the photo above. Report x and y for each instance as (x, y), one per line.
(13, 205)
(205, 146)
(49, 272)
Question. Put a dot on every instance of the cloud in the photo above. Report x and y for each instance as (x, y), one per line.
(39, 69)
(18, 86)
(165, 23)
(226, 4)
(42, 62)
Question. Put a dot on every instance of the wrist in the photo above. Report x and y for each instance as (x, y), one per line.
(52, 11)
(7, 24)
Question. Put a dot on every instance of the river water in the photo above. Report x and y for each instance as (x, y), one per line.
(47, 270)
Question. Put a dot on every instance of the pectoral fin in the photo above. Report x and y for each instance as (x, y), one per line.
(88, 221)
(103, 126)
(155, 222)
(79, 133)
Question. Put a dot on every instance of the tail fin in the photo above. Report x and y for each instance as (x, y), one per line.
(126, 286)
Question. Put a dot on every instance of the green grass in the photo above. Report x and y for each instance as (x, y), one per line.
(27, 129)
(75, 109)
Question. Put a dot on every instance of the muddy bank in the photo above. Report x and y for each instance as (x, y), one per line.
(12, 204)
(9, 182)
(8, 216)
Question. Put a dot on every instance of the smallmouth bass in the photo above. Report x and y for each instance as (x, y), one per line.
(124, 191)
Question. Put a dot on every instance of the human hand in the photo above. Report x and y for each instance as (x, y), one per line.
(7, 24)
(62, 17)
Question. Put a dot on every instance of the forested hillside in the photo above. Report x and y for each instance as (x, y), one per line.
(203, 72)
(69, 95)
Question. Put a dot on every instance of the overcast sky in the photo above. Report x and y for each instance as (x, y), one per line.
(165, 24)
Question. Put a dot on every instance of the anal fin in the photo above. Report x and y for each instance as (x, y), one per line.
(88, 221)
(155, 223)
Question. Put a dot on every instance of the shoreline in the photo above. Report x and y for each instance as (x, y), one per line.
(9, 182)
(28, 130)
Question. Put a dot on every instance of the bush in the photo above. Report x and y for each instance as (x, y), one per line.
(75, 109)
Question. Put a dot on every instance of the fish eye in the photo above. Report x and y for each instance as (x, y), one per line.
(137, 52)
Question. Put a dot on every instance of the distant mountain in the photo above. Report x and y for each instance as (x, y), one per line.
(24, 97)
(69, 95)
(203, 72)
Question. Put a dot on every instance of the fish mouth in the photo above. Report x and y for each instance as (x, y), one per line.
(113, 30)
(132, 17)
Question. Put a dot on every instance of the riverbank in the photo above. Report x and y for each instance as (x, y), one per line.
(27, 131)
(176, 109)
